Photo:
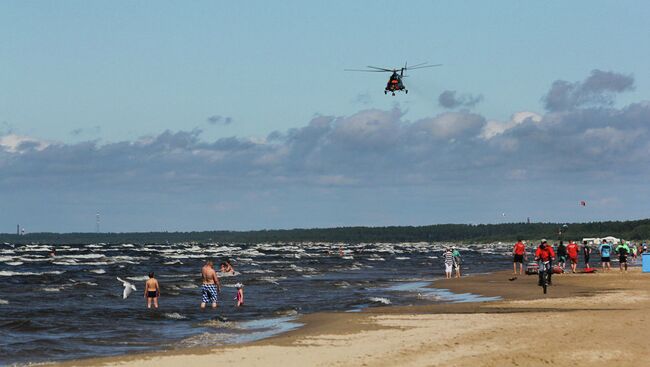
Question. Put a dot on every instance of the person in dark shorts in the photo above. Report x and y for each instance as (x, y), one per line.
(561, 255)
(622, 250)
(152, 291)
(586, 252)
(605, 250)
(518, 252)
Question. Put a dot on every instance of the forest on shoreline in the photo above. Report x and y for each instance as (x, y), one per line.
(468, 233)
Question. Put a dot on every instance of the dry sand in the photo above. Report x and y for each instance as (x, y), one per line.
(584, 320)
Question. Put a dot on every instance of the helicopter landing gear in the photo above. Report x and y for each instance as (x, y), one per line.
(406, 91)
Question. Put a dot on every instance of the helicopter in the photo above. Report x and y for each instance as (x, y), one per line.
(395, 83)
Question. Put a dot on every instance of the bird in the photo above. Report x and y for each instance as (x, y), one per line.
(128, 288)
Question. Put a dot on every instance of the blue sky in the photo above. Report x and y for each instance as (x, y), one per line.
(215, 115)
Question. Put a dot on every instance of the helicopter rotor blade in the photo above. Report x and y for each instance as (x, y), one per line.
(382, 69)
(422, 66)
(368, 71)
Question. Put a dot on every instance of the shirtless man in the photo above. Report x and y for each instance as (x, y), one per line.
(211, 285)
(152, 291)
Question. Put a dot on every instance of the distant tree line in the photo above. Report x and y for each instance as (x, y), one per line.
(468, 233)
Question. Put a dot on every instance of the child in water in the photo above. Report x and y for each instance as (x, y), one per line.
(240, 294)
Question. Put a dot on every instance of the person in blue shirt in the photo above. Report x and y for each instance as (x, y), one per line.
(605, 250)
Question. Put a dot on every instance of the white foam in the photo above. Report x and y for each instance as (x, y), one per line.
(98, 271)
(52, 289)
(402, 258)
(175, 316)
(144, 277)
(273, 280)
(225, 275)
(4, 302)
(9, 273)
(381, 300)
(258, 271)
(14, 263)
(84, 256)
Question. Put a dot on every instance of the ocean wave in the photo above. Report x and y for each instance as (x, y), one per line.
(140, 278)
(205, 339)
(286, 311)
(272, 280)
(221, 324)
(14, 263)
(9, 273)
(98, 271)
(382, 300)
(84, 256)
(258, 271)
(4, 302)
(226, 275)
(175, 316)
(174, 262)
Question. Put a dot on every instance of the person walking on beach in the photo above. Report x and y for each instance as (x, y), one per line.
(151, 291)
(622, 250)
(519, 252)
(586, 252)
(561, 255)
(572, 250)
(211, 285)
(605, 250)
(457, 260)
(448, 258)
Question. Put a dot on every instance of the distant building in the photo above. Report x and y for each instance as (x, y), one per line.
(599, 240)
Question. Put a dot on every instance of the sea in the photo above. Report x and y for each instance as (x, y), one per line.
(70, 306)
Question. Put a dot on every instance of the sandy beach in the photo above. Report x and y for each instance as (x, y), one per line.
(585, 319)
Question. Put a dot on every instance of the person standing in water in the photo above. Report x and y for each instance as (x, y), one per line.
(448, 258)
(240, 294)
(211, 285)
(152, 291)
(457, 260)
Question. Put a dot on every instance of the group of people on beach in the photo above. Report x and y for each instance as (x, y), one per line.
(210, 286)
(572, 250)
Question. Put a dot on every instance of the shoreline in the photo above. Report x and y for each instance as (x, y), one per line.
(474, 333)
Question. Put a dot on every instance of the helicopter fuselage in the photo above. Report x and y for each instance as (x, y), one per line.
(395, 84)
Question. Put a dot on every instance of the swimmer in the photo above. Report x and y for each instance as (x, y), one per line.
(151, 291)
(226, 267)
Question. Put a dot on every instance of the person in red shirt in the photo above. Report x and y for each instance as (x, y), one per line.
(572, 250)
(519, 252)
(546, 255)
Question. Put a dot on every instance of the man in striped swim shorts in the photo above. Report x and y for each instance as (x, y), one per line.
(211, 285)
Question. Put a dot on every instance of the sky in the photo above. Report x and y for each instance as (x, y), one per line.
(209, 115)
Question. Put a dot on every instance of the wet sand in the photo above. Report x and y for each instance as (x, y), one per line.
(585, 319)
